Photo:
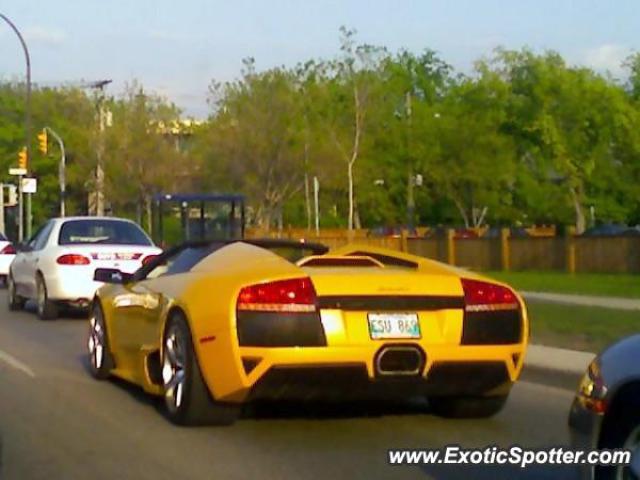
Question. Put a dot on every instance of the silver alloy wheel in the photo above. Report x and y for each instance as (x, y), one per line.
(173, 368)
(96, 340)
(632, 443)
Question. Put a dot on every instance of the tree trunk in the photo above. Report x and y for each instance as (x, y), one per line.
(350, 177)
(139, 212)
(463, 213)
(147, 205)
(280, 218)
(355, 151)
(307, 200)
(576, 197)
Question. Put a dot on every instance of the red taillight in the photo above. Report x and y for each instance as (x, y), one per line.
(295, 295)
(73, 259)
(8, 250)
(148, 259)
(483, 296)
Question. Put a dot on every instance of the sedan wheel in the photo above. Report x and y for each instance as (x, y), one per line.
(16, 302)
(632, 443)
(621, 429)
(47, 310)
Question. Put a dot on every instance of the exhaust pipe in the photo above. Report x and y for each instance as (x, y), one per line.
(400, 360)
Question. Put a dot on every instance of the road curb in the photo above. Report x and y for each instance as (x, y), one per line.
(555, 367)
(567, 380)
(615, 303)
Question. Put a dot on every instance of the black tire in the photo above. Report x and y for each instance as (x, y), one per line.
(100, 364)
(46, 309)
(621, 426)
(3, 281)
(467, 407)
(15, 301)
(191, 403)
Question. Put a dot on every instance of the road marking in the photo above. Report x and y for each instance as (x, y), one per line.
(17, 364)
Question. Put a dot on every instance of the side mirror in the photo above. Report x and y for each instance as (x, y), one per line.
(111, 275)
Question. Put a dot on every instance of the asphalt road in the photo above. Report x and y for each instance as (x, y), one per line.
(56, 422)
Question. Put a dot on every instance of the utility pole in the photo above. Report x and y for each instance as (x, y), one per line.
(96, 198)
(27, 133)
(102, 123)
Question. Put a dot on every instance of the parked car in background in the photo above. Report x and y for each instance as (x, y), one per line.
(392, 231)
(606, 410)
(56, 266)
(514, 232)
(7, 253)
(459, 233)
(610, 230)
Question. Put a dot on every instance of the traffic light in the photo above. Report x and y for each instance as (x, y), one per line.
(42, 141)
(22, 158)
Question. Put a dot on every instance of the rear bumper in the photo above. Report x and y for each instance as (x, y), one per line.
(353, 383)
(72, 283)
(351, 371)
(5, 262)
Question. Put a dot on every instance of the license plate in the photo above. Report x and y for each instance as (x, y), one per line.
(393, 325)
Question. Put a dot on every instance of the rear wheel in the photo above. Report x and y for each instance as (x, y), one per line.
(187, 398)
(100, 358)
(47, 310)
(16, 302)
(467, 407)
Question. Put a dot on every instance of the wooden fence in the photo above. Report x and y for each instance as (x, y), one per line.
(620, 254)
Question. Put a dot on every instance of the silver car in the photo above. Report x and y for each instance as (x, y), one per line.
(56, 266)
(606, 410)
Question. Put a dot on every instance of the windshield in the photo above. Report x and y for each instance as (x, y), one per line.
(108, 232)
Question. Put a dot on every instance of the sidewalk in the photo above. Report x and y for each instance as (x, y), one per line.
(556, 367)
(617, 303)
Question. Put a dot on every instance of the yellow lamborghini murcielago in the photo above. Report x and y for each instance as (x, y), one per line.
(213, 325)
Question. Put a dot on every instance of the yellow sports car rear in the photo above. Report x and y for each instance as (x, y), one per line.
(212, 326)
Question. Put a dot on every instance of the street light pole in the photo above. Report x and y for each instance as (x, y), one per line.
(61, 170)
(27, 132)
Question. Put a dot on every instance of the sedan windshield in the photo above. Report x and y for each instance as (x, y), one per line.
(108, 232)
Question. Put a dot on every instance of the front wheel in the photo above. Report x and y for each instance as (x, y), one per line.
(100, 359)
(15, 301)
(467, 407)
(622, 430)
(187, 398)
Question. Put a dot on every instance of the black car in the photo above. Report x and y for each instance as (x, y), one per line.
(605, 413)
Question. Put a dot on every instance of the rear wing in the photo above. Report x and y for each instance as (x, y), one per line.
(386, 257)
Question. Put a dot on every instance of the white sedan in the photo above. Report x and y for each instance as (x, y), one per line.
(56, 266)
(7, 253)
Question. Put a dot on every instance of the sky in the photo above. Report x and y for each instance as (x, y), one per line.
(175, 48)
